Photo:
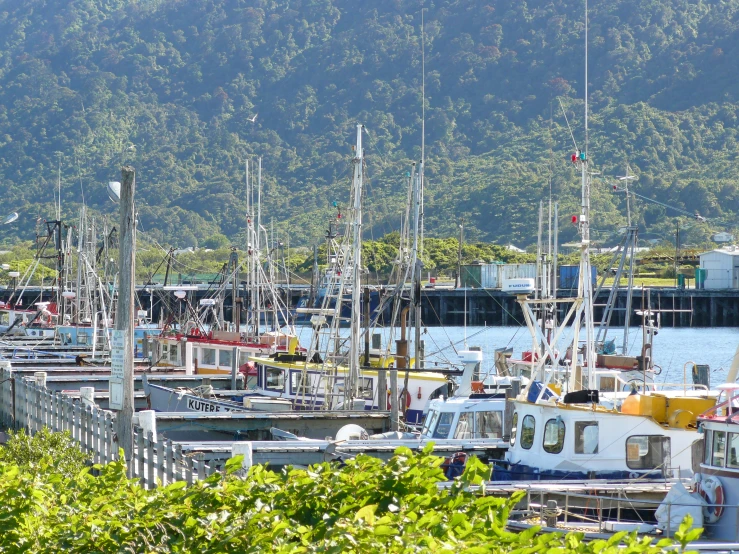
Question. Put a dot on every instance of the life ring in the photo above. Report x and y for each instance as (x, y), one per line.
(712, 491)
(401, 407)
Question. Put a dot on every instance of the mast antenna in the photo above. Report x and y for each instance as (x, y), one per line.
(423, 117)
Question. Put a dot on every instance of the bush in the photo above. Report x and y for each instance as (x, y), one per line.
(58, 450)
(366, 506)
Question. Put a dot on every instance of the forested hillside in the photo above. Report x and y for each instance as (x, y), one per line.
(172, 86)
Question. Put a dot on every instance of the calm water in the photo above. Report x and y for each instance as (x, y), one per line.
(672, 347)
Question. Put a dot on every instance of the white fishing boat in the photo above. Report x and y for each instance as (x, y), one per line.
(717, 462)
(205, 399)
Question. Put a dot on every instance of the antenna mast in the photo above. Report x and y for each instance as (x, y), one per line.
(423, 119)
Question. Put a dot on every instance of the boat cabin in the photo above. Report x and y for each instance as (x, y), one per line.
(306, 385)
(553, 440)
(717, 461)
(474, 417)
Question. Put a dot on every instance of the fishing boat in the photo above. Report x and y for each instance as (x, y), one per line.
(205, 399)
(717, 465)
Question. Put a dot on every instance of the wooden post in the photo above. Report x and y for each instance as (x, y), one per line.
(124, 315)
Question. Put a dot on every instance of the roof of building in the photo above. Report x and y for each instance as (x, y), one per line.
(728, 251)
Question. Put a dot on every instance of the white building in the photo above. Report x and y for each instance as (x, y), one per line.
(723, 237)
(722, 268)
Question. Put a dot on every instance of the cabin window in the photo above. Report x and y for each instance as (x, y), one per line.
(554, 436)
(224, 358)
(430, 422)
(275, 379)
(299, 386)
(528, 429)
(647, 451)
(243, 358)
(209, 356)
(444, 426)
(365, 388)
(707, 447)
(4, 318)
(514, 428)
(718, 450)
(733, 461)
(464, 427)
(174, 352)
(586, 437)
(489, 425)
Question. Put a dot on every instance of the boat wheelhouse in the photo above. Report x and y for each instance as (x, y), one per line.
(98, 339)
(212, 352)
(306, 385)
(39, 322)
(649, 437)
(717, 465)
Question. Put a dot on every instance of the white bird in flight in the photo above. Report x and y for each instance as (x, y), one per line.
(253, 119)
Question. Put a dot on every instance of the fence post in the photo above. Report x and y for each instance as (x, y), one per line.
(200, 459)
(169, 456)
(139, 456)
(179, 465)
(160, 461)
(150, 460)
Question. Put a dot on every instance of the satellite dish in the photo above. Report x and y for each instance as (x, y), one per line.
(10, 218)
(114, 191)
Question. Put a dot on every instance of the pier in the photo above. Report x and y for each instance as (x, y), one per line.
(492, 307)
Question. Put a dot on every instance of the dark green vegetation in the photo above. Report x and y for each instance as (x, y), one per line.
(365, 506)
(171, 86)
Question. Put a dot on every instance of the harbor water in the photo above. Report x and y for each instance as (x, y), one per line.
(672, 347)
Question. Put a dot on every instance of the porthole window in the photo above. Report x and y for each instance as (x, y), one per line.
(528, 429)
(554, 436)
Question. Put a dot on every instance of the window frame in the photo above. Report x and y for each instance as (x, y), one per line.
(203, 351)
(468, 418)
(533, 434)
(280, 387)
(225, 353)
(728, 463)
(650, 445)
(560, 441)
(716, 435)
(514, 428)
(440, 421)
(480, 416)
(580, 434)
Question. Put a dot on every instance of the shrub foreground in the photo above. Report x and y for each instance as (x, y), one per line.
(364, 506)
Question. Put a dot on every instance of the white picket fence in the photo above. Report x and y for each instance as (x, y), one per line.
(25, 404)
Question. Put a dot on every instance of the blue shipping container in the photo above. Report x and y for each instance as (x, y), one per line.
(569, 276)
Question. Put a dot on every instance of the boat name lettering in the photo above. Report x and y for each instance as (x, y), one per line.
(202, 406)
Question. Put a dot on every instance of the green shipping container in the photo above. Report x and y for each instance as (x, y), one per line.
(471, 275)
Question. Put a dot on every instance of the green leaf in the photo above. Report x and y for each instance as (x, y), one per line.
(367, 513)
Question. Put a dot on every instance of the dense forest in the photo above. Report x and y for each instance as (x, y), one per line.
(187, 91)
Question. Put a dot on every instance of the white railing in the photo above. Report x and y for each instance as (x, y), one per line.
(25, 404)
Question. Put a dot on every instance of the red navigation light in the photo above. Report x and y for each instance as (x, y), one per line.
(574, 220)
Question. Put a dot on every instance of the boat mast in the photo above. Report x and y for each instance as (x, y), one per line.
(351, 387)
(586, 284)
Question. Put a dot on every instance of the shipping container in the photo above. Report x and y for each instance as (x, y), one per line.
(569, 277)
(490, 276)
(517, 271)
(485, 276)
(471, 276)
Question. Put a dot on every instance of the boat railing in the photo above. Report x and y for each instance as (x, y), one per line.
(602, 509)
(728, 408)
(621, 385)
